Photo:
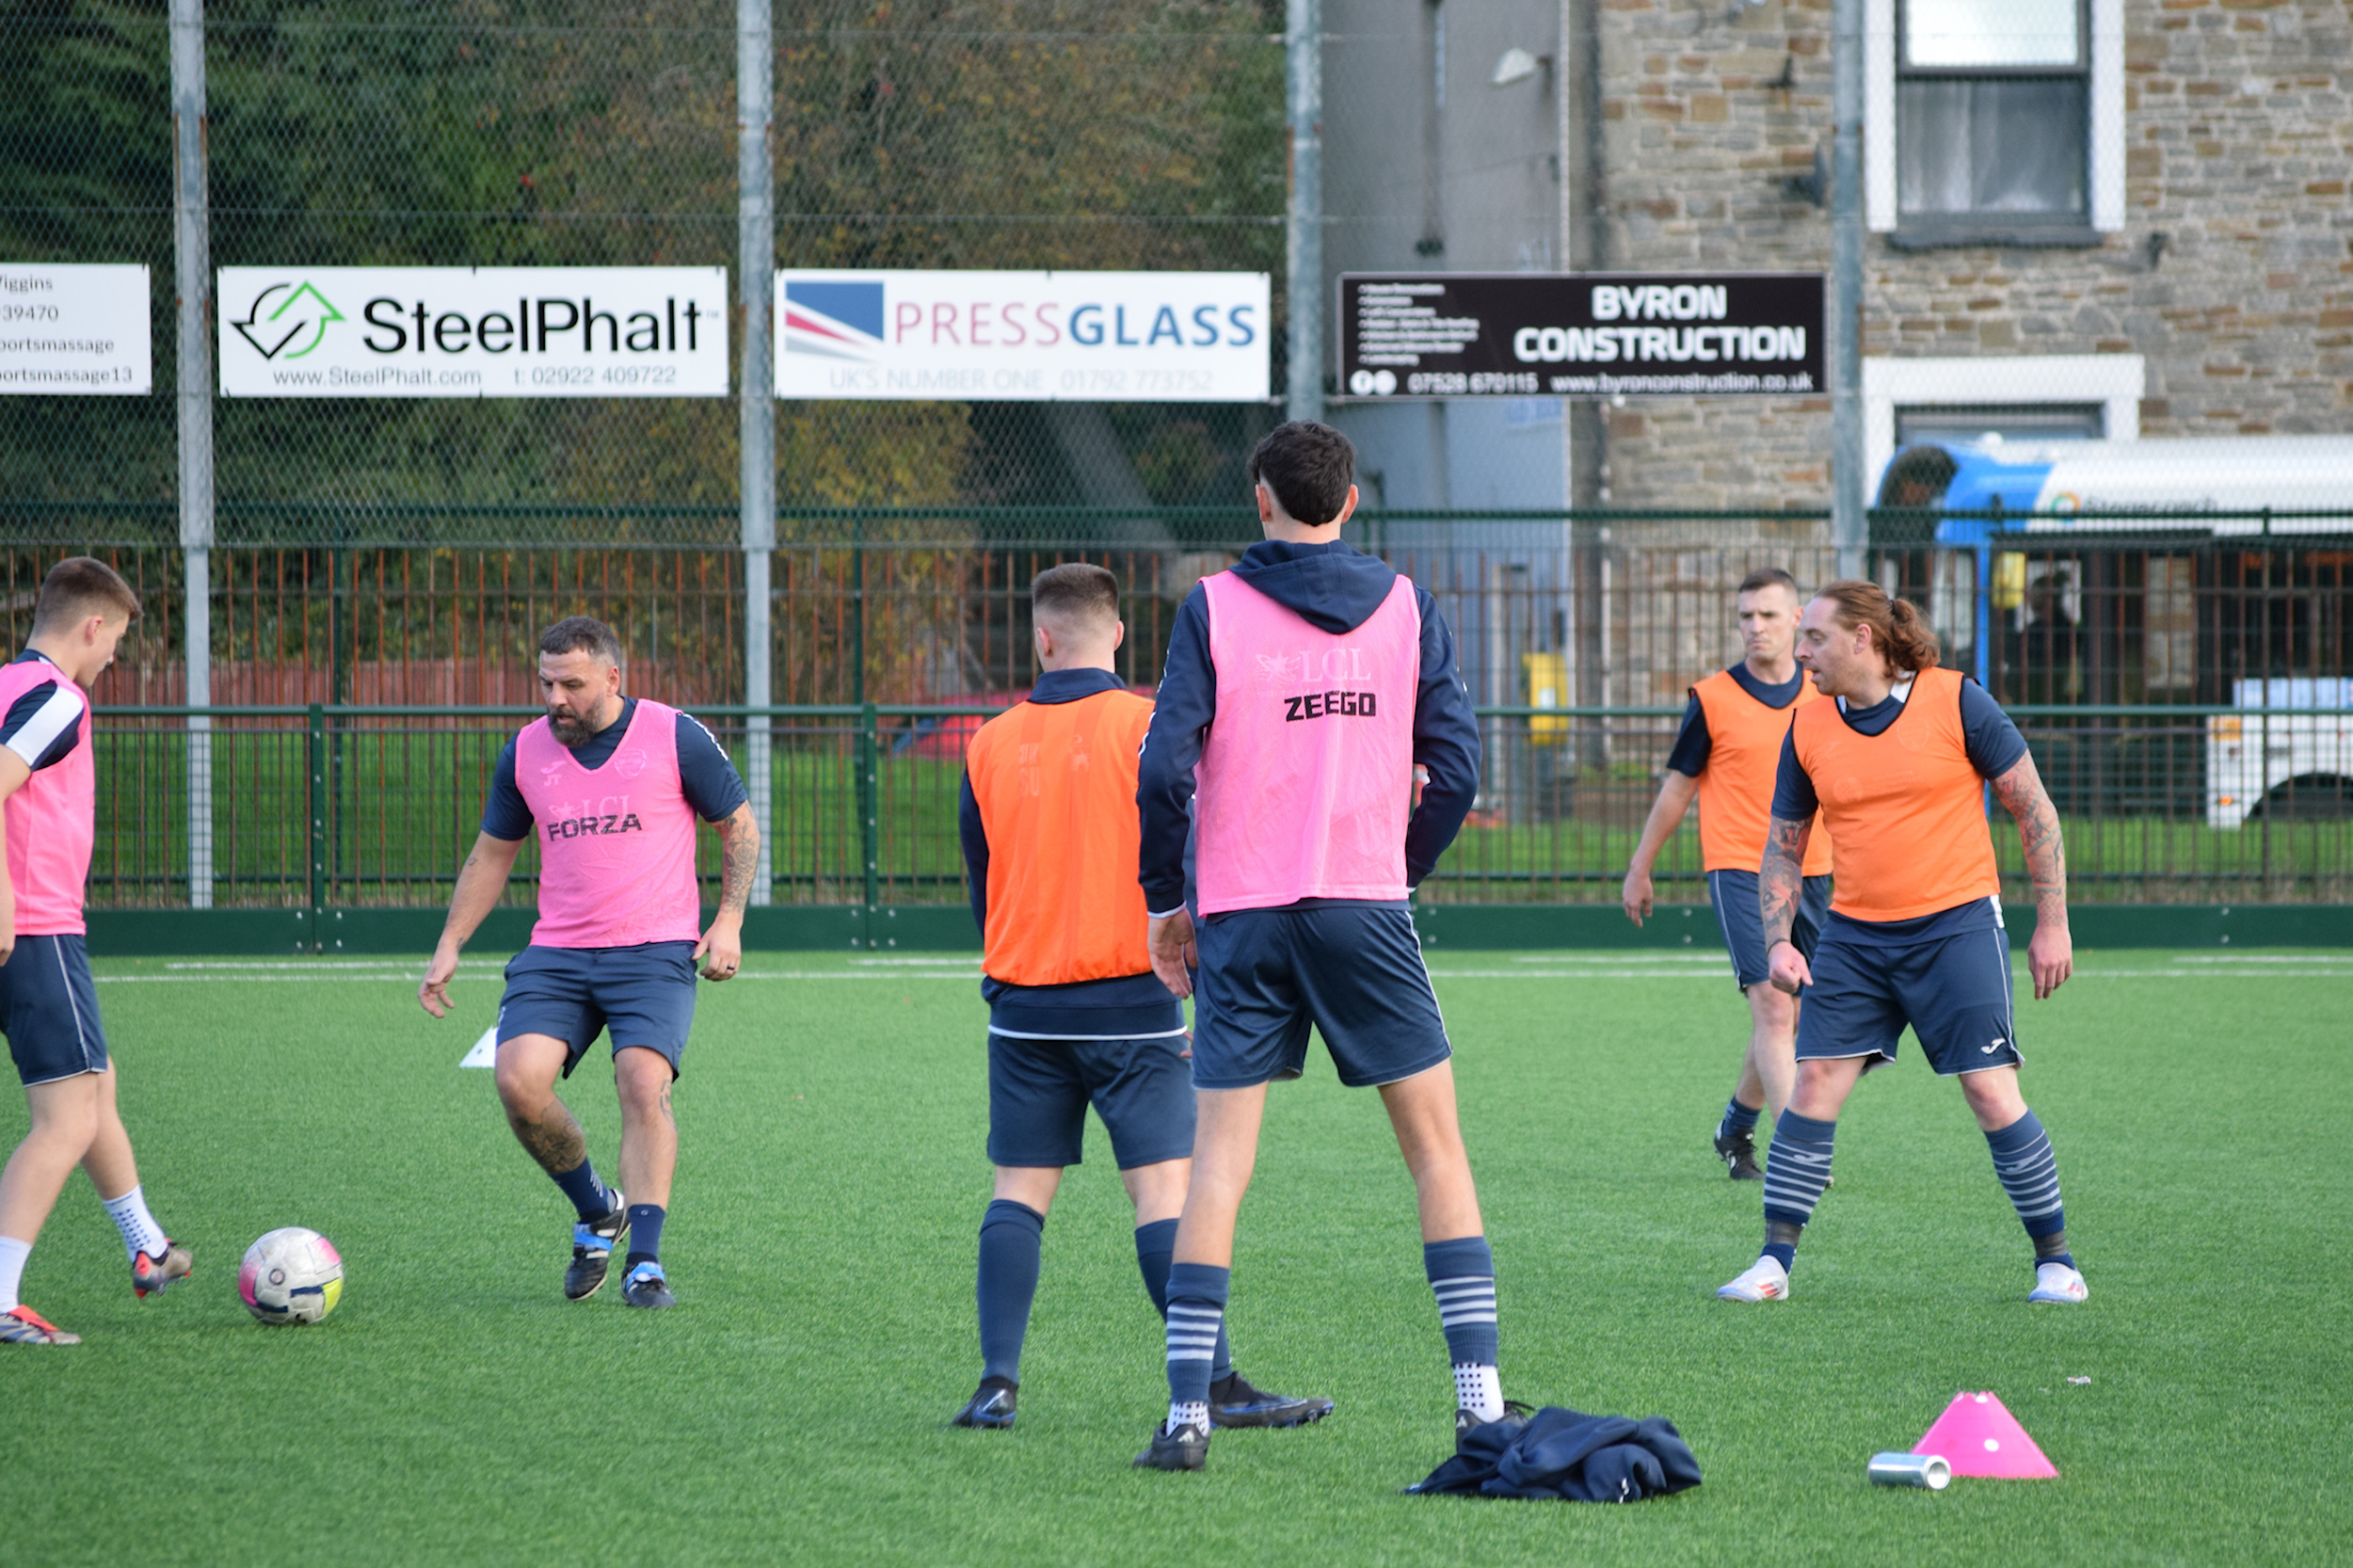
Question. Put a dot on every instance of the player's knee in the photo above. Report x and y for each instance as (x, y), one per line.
(68, 1121)
(522, 1090)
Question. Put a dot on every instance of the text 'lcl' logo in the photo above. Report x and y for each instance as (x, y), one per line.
(302, 315)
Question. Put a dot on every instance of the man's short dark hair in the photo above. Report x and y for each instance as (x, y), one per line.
(1309, 468)
(1769, 577)
(1075, 591)
(79, 587)
(582, 635)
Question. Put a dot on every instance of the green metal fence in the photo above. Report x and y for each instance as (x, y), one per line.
(318, 807)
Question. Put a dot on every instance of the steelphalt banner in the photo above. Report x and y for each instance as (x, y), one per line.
(1523, 334)
(455, 331)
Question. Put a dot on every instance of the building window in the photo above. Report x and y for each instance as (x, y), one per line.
(1992, 116)
(2008, 421)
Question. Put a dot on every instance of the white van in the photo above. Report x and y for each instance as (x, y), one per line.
(2283, 764)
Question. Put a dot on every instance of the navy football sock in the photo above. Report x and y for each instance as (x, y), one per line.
(1797, 1169)
(589, 1196)
(2029, 1173)
(1461, 1274)
(1154, 1244)
(1196, 1313)
(1011, 1236)
(645, 1233)
(1737, 1117)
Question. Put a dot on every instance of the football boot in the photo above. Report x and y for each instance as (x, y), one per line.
(647, 1285)
(1234, 1403)
(1465, 1423)
(2056, 1282)
(990, 1407)
(152, 1276)
(592, 1250)
(22, 1325)
(1737, 1150)
(1186, 1448)
(1765, 1281)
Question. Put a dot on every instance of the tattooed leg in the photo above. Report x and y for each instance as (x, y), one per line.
(528, 1066)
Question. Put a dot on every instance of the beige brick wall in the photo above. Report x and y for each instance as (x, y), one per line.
(2239, 139)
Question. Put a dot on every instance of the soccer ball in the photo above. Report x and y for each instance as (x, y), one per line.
(292, 1275)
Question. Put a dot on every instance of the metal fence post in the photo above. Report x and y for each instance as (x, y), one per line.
(318, 826)
(1850, 524)
(755, 261)
(193, 283)
(869, 809)
(1304, 285)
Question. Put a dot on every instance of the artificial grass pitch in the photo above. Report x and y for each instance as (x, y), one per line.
(794, 1408)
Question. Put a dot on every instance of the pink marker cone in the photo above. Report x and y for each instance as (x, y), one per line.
(1977, 1436)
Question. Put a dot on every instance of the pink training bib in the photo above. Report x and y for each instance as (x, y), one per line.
(617, 843)
(1308, 778)
(53, 820)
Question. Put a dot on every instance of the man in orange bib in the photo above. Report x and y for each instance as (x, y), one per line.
(1075, 1015)
(1897, 767)
(1725, 755)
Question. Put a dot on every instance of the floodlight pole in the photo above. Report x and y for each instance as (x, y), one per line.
(1850, 524)
(193, 283)
(1303, 41)
(756, 263)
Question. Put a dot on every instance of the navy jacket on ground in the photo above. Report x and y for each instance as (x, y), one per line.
(1335, 588)
(1569, 1455)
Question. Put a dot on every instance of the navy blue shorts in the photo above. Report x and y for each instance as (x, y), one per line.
(1039, 1091)
(1734, 894)
(1355, 971)
(1954, 993)
(641, 996)
(50, 1010)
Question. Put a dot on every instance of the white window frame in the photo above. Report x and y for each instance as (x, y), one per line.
(2107, 116)
(2115, 382)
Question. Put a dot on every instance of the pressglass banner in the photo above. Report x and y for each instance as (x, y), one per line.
(1522, 334)
(1131, 337)
(454, 331)
(74, 330)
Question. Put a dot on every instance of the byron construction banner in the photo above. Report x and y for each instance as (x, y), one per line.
(1130, 337)
(454, 331)
(1534, 334)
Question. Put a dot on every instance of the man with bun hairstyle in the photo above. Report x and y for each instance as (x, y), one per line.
(1076, 1016)
(613, 787)
(1304, 689)
(1725, 756)
(48, 1007)
(1897, 767)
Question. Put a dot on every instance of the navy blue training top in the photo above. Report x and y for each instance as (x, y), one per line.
(1121, 1007)
(709, 780)
(1993, 745)
(1692, 742)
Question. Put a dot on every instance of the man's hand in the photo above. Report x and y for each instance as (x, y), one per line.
(433, 993)
(723, 944)
(1174, 955)
(8, 917)
(1791, 972)
(2050, 956)
(1636, 895)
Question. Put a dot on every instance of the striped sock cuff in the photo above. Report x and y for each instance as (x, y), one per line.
(2028, 1169)
(1462, 1277)
(1797, 1167)
(1197, 1313)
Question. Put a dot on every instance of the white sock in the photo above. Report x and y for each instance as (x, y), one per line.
(1189, 1413)
(12, 1256)
(1480, 1390)
(140, 1233)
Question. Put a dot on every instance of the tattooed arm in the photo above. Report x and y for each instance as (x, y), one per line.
(2051, 955)
(1780, 884)
(723, 944)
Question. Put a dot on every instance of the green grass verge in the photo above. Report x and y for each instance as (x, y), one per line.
(455, 1409)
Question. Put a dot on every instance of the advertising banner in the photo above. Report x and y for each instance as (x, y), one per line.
(74, 331)
(1523, 334)
(1130, 337)
(454, 331)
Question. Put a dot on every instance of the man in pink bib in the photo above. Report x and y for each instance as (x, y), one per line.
(1304, 690)
(49, 782)
(613, 785)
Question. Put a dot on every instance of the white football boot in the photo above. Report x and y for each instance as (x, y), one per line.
(2056, 1282)
(1766, 1281)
